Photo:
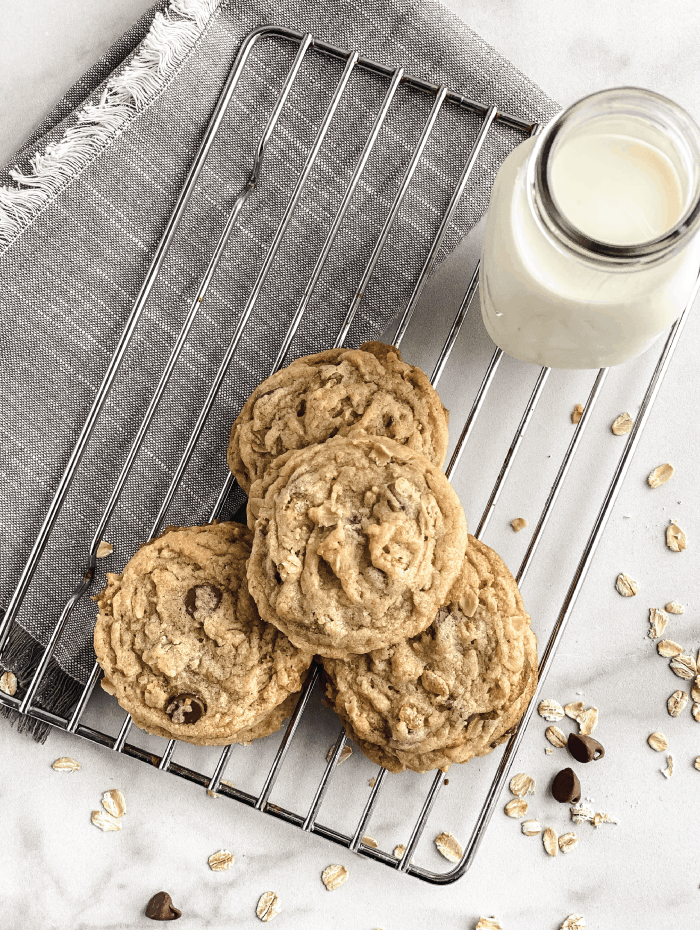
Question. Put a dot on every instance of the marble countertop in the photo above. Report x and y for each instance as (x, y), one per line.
(644, 872)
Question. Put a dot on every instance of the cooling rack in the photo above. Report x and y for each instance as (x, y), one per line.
(489, 116)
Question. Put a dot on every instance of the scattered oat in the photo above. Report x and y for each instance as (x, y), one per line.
(516, 808)
(345, 753)
(673, 607)
(684, 666)
(587, 718)
(531, 827)
(658, 621)
(268, 906)
(581, 814)
(8, 683)
(548, 750)
(676, 703)
(372, 782)
(518, 524)
(550, 710)
(449, 847)
(660, 475)
(668, 771)
(697, 763)
(574, 922)
(657, 741)
(695, 710)
(567, 841)
(212, 794)
(668, 649)
(104, 549)
(105, 822)
(488, 923)
(221, 861)
(229, 784)
(550, 841)
(333, 876)
(370, 841)
(556, 737)
(598, 819)
(399, 851)
(522, 784)
(695, 690)
(676, 539)
(626, 586)
(622, 425)
(114, 802)
(66, 764)
(577, 413)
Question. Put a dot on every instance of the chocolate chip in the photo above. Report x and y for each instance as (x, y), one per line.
(566, 788)
(185, 708)
(202, 597)
(584, 748)
(160, 907)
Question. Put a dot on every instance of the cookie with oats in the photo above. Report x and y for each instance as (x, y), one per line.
(183, 647)
(327, 394)
(357, 542)
(452, 692)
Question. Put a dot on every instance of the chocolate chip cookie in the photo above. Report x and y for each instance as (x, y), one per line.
(357, 543)
(454, 691)
(182, 644)
(324, 395)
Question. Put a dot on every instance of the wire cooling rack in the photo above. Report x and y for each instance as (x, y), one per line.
(126, 739)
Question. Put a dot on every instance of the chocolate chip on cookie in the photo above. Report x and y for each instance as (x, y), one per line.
(204, 597)
(185, 708)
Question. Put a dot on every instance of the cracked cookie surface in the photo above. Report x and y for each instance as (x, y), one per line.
(357, 543)
(183, 646)
(327, 394)
(454, 691)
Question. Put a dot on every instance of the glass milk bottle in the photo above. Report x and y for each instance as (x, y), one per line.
(591, 247)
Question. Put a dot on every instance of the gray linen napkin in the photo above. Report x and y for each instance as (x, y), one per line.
(103, 174)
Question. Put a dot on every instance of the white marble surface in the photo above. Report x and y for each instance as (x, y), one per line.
(56, 870)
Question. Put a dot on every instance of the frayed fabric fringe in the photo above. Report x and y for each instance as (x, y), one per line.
(59, 692)
(171, 35)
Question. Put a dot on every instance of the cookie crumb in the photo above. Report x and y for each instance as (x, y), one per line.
(574, 922)
(370, 841)
(399, 850)
(104, 549)
(577, 413)
(345, 753)
(518, 524)
(488, 923)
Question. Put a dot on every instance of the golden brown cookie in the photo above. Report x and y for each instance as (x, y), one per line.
(452, 692)
(327, 394)
(357, 543)
(182, 644)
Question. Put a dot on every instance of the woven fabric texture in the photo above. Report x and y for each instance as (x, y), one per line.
(69, 279)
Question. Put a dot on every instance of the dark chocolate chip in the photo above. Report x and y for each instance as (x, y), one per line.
(584, 748)
(185, 708)
(202, 597)
(566, 788)
(161, 907)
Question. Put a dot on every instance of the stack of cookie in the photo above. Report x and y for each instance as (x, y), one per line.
(360, 555)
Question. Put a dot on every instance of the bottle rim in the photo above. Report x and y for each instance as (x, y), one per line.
(540, 193)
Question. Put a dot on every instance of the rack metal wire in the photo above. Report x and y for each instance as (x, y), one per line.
(394, 78)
